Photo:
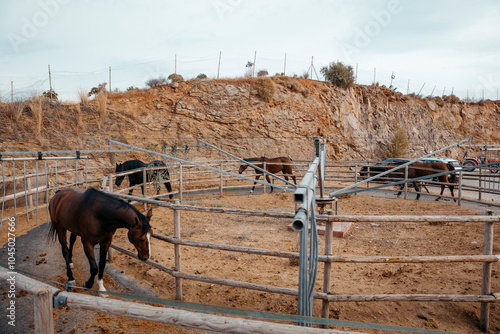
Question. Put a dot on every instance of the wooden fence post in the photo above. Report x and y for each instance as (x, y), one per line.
(145, 185)
(44, 315)
(221, 192)
(177, 251)
(459, 202)
(180, 182)
(406, 183)
(264, 176)
(355, 177)
(487, 271)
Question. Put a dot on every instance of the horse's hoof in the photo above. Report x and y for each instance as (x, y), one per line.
(85, 285)
(69, 285)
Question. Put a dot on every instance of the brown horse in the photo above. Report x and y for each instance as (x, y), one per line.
(273, 165)
(95, 216)
(418, 169)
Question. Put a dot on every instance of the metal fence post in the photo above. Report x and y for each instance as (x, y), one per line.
(325, 311)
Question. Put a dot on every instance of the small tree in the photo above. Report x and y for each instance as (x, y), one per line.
(249, 69)
(201, 76)
(262, 73)
(398, 147)
(339, 74)
(50, 94)
(96, 90)
(160, 81)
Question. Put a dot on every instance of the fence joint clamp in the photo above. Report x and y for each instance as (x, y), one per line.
(59, 301)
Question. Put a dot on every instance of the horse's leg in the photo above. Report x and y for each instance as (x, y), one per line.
(256, 178)
(72, 239)
(401, 189)
(61, 235)
(269, 181)
(89, 252)
(417, 189)
(451, 191)
(294, 180)
(130, 194)
(169, 189)
(104, 246)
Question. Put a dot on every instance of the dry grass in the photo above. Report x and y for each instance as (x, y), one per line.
(36, 108)
(265, 89)
(83, 95)
(79, 118)
(102, 101)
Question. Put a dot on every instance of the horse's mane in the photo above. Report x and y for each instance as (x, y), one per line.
(122, 204)
(255, 158)
(132, 164)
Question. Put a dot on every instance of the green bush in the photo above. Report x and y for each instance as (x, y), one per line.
(339, 74)
(398, 147)
(201, 76)
(265, 88)
(96, 90)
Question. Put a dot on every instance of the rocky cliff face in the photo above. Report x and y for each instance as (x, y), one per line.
(231, 114)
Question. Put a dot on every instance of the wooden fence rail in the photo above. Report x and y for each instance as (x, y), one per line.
(487, 258)
(44, 318)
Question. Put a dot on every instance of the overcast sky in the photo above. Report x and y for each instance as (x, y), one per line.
(433, 46)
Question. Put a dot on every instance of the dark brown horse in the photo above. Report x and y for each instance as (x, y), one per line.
(418, 169)
(95, 216)
(273, 165)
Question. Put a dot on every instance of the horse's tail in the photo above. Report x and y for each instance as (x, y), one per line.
(453, 176)
(52, 236)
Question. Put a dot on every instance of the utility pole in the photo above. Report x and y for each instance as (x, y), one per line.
(12, 91)
(284, 70)
(110, 79)
(254, 60)
(50, 80)
(175, 70)
(218, 68)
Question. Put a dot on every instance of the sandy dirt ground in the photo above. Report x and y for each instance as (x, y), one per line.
(364, 239)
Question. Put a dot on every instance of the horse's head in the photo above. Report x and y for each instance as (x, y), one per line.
(140, 236)
(119, 179)
(242, 168)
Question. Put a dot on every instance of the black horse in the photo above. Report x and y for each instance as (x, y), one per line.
(161, 175)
